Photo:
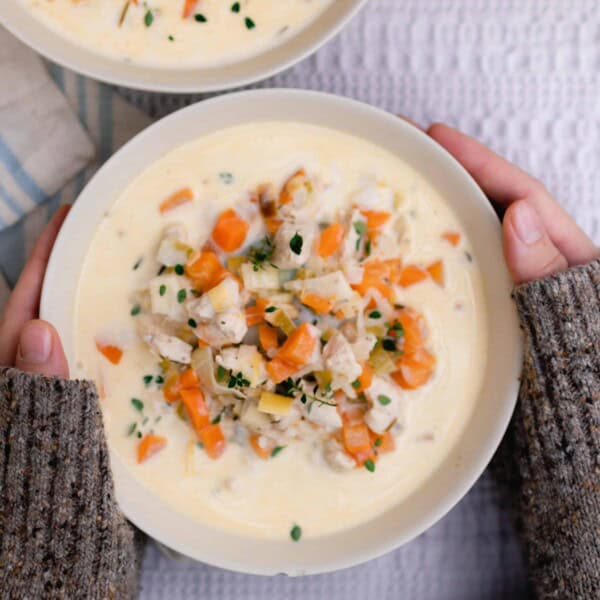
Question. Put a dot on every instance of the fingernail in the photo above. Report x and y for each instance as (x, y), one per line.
(35, 343)
(527, 223)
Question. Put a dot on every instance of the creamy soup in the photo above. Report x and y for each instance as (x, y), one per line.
(286, 326)
(178, 33)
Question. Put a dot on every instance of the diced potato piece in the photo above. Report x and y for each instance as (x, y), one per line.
(265, 278)
(164, 291)
(275, 404)
(225, 295)
(173, 252)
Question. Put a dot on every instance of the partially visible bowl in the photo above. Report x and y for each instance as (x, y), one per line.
(19, 20)
(483, 432)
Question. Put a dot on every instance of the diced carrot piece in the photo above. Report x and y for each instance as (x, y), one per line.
(188, 8)
(436, 272)
(272, 224)
(279, 370)
(172, 388)
(267, 336)
(330, 240)
(411, 274)
(111, 353)
(364, 379)
(414, 370)
(176, 199)
(193, 400)
(205, 269)
(394, 266)
(453, 237)
(293, 184)
(149, 445)
(376, 218)
(256, 314)
(319, 304)
(189, 379)
(363, 456)
(260, 451)
(230, 231)
(356, 438)
(298, 348)
(383, 442)
(213, 440)
(376, 275)
(413, 331)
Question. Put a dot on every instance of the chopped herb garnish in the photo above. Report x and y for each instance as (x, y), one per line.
(270, 309)
(261, 253)
(374, 314)
(145, 420)
(159, 379)
(276, 451)
(162, 290)
(235, 7)
(179, 269)
(383, 399)
(131, 429)
(147, 380)
(136, 310)
(139, 434)
(137, 404)
(226, 177)
(469, 256)
(237, 380)
(378, 442)
(250, 24)
(296, 243)
(368, 247)
(216, 420)
(296, 532)
(369, 465)
(138, 262)
(200, 18)
(171, 38)
(360, 227)
(162, 270)
(289, 388)
(388, 344)
(356, 384)
(192, 323)
(158, 418)
(148, 18)
(221, 372)
(181, 296)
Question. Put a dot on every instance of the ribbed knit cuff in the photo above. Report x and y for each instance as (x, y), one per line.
(62, 534)
(557, 431)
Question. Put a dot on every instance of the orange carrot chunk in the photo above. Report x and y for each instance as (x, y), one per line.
(414, 369)
(264, 453)
(356, 438)
(376, 275)
(410, 275)
(297, 350)
(364, 379)
(230, 231)
(176, 199)
(376, 218)
(171, 388)
(330, 240)
(188, 8)
(149, 445)
(279, 370)
(267, 337)
(292, 185)
(436, 272)
(256, 314)
(213, 440)
(319, 304)
(413, 331)
(272, 224)
(453, 237)
(205, 269)
(112, 353)
(193, 400)
(189, 379)
(383, 442)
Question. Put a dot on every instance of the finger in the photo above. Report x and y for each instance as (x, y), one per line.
(411, 122)
(505, 183)
(529, 251)
(23, 304)
(40, 350)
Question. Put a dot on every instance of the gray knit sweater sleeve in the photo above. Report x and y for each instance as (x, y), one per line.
(555, 434)
(62, 535)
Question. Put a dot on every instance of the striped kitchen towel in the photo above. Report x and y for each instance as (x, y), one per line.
(42, 143)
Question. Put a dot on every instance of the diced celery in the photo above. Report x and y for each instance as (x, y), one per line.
(381, 361)
(275, 404)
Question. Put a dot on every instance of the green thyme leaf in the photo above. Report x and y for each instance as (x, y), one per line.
(296, 532)
(369, 465)
(276, 451)
(137, 404)
(296, 243)
(383, 399)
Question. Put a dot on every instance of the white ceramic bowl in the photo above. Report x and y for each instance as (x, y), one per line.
(19, 20)
(468, 458)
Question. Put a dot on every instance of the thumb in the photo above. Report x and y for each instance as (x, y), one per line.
(40, 350)
(529, 252)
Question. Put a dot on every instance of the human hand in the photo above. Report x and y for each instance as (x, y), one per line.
(25, 341)
(540, 238)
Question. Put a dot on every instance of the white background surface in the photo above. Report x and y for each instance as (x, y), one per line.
(521, 75)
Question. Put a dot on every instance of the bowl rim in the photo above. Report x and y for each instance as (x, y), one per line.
(62, 51)
(352, 546)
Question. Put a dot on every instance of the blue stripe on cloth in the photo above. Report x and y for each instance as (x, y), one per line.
(106, 122)
(23, 179)
(12, 252)
(57, 73)
(12, 203)
(83, 113)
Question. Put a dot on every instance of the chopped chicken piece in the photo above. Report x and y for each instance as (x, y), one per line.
(173, 249)
(164, 290)
(169, 346)
(363, 346)
(386, 405)
(337, 457)
(293, 244)
(333, 285)
(245, 359)
(375, 196)
(200, 309)
(228, 327)
(339, 359)
(324, 415)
